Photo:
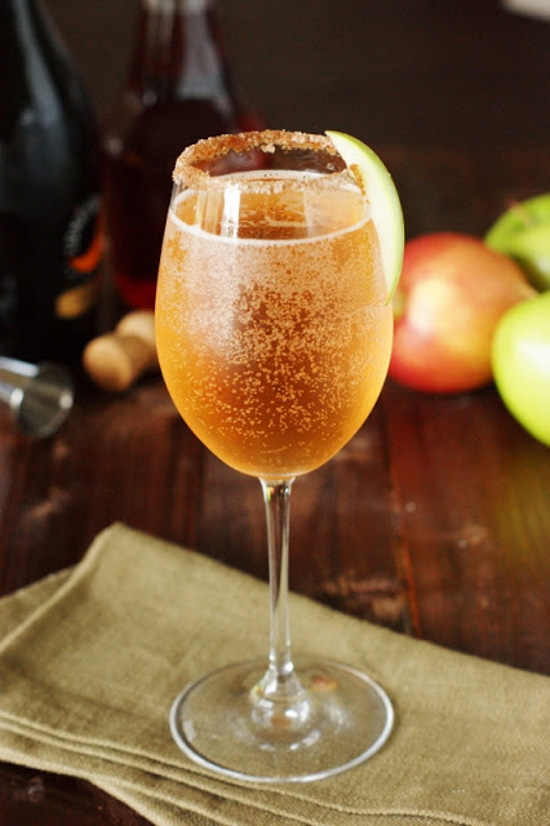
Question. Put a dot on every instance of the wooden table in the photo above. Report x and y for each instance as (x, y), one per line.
(434, 520)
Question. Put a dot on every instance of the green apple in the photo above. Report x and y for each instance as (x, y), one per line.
(386, 213)
(523, 232)
(521, 364)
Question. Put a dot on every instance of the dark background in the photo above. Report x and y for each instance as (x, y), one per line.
(393, 72)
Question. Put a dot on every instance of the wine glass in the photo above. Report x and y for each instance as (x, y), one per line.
(274, 333)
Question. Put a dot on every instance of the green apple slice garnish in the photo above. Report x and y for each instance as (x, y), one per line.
(379, 188)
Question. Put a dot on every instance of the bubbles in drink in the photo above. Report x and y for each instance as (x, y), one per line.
(273, 328)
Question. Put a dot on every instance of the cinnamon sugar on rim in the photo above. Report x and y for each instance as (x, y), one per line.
(191, 166)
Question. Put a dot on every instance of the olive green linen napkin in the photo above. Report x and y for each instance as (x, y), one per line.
(91, 659)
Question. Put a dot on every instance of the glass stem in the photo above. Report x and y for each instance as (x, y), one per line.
(280, 700)
(277, 507)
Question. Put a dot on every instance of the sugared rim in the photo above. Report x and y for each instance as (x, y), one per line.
(188, 173)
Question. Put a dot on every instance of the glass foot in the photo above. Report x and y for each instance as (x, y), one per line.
(335, 719)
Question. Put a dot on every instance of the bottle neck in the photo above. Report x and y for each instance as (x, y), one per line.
(33, 51)
(10, 11)
(178, 51)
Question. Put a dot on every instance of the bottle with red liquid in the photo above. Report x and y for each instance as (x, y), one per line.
(178, 89)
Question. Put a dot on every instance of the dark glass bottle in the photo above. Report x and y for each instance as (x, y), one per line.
(50, 233)
(178, 90)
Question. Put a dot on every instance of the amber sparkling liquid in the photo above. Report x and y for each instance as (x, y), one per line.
(273, 326)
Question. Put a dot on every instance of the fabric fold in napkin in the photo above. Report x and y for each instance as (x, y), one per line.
(91, 659)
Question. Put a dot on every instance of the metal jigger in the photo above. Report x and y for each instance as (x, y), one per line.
(40, 396)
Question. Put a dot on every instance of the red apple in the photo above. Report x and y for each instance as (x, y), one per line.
(453, 291)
